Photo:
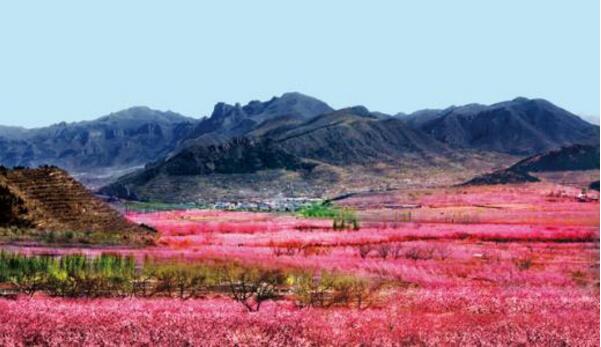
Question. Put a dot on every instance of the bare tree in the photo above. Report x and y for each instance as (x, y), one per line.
(364, 250)
(384, 250)
(417, 253)
(396, 250)
(251, 287)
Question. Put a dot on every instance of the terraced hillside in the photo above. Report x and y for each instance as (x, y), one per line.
(49, 199)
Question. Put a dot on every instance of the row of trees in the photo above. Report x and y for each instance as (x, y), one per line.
(397, 250)
(116, 275)
(71, 275)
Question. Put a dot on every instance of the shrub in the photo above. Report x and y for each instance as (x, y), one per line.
(383, 250)
(316, 250)
(364, 250)
(417, 253)
(345, 219)
(523, 263)
(311, 290)
(396, 250)
(251, 287)
(184, 280)
(330, 289)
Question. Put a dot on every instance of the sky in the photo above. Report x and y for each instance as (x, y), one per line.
(79, 60)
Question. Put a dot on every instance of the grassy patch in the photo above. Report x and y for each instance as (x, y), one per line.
(21, 235)
(342, 218)
(150, 206)
(319, 210)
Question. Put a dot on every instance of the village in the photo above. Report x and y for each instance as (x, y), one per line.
(269, 205)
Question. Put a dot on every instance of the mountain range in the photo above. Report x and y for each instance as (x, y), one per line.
(292, 135)
(126, 138)
(520, 126)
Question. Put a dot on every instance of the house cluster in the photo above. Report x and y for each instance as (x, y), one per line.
(271, 205)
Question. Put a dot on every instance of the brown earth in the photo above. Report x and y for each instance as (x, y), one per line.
(49, 199)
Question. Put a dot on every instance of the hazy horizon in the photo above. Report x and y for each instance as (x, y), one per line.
(69, 61)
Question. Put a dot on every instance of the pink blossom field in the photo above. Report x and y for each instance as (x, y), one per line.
(514, 265)
(553, 316)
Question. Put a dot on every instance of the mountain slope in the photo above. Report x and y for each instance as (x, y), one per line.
(127, 138)
(505, 176)
(48, 199)
(320, 150)
(239, 156)
(521, 126)
(136, 136)
(236, 120)
(98, 151)
(569, 158)
(288, 134)
(354, 136)
(337, 144)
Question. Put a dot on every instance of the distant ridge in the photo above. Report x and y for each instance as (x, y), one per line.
(237, 142)
(228, 121)
(570, 158)
(505, 176)
(326, 144)
(139, 135)
(122, 139)
(521, 126)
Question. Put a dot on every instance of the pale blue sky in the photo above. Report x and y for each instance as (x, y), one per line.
(74, 60)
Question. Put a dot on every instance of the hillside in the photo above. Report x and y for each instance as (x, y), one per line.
(569, 158)
(285, 156)
(355, 136)
(139, 135)
(265, 147)
(505, 176)
(47, 199)
(228, 121)
(126, 138)
(238, 156)
(520, 126)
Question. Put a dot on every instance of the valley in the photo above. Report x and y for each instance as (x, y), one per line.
(501, 258)
(287, 222)
(300, 174)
